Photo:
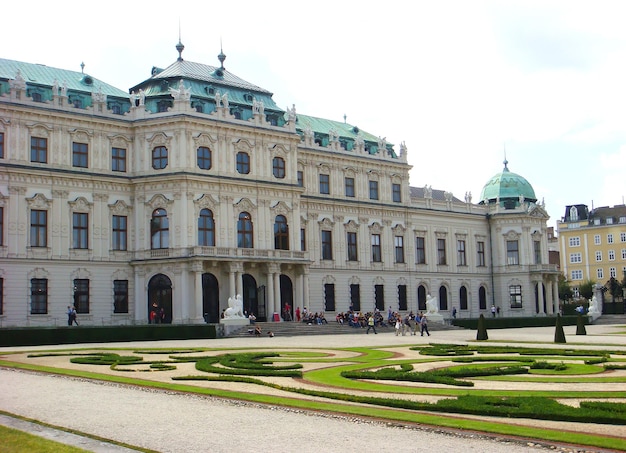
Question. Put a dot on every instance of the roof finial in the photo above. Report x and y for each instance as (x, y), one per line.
(345, 117)
(506, 162)
(221, 57)
(179, 47)
(82, 67)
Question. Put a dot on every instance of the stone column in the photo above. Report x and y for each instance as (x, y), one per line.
(305, 299)
(270, 296)
(540, 297)
(198, 295)
(141, 303)
(277, 305)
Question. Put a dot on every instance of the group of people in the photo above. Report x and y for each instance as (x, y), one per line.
(157, 315)
(411, 323)
(71, 315)
(311, 318)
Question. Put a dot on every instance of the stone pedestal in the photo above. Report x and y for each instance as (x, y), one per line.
(435, 317)
(231, 325)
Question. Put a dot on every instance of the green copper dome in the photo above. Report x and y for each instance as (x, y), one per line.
(507, 186)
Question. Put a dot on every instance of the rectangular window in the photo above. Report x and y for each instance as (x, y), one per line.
(39, 296)
(80, 155)
(402, 299)
(611, 255)
(300, 179)
(327, 245)
(373, 190)
(329, 297)
(598, 255)
(480, 248)
(441, 252)
(118, 159)
(120, 232)
(512, 253)
(574, 241)
(352, 246)
(38, 228)
(622, 237)
(120, 296)
(612, 272)
(80, 230)
(349, 183)
(396, 193)
(537, 245)
(609, 238)
(623, 254)
(420, 250)
(1, 145)
(600, 272)
(324, 184)
(609, 221)
(460, 252)
(39, 150)
(81, 295)
(377, 256)
(1, 226)
(399, 248)
(597, 240)
(575, 258)
(577, 275)
(302, 239)
(515, 294)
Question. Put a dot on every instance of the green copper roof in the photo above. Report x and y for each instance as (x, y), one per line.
(42, 75)
(507, 186)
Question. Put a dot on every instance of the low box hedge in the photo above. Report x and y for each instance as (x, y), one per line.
(35, 336)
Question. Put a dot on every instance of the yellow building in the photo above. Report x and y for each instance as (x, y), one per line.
(593, 244)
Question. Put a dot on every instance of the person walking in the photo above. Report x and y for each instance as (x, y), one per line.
(370, 324)
(73, 316)
(69, 315)
(398, 325)
(424, 325)
(493, 311)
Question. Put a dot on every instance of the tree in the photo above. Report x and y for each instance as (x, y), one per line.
(559, 335)
(586, 289)
(481, 334)
(614, 287)
(565, 291)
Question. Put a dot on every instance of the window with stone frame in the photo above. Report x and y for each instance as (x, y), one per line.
(120, 296)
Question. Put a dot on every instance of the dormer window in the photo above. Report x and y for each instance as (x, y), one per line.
(573, 214)
(209, 90)
(248, 97)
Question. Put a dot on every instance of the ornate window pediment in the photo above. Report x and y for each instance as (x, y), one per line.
(119, 141)
(80, 205)
(81, 135)
(206, 201)
(204, 140)
(326, 223)
(280, 208)
(351, 226)
(398, 229)
(376, 228)
(511, 235)
(159, 139)
(159, 202)
(40, 130)
(242, 144)
(120, 208)
(39, 201)
(245, 204)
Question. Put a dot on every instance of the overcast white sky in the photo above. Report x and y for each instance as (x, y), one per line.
(458, 81)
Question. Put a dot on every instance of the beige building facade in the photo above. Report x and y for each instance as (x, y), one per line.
(161, 204)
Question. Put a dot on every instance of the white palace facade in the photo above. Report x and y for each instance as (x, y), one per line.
(193, 186)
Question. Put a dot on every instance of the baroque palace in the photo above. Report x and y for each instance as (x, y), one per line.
(194, 186)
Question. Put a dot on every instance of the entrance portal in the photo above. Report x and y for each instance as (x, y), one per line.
(160, 300)
(210, 298)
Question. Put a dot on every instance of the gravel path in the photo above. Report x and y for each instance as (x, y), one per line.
(173, 422)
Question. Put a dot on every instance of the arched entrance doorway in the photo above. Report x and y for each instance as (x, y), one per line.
(286, 297)
(160, 299)
(251, 299)
(210, 298)
(421, 298)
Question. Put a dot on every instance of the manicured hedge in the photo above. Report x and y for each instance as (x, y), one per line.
(34, 336)
(508, 323)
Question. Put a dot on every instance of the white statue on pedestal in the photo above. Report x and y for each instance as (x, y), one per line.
(432, 305)
(235, 308)
(594, 308)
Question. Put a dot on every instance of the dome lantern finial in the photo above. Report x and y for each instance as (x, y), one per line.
(179, 47)
(221, 57)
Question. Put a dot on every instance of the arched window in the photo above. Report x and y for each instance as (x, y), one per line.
(443, 298)
(244, 231)
(243, 163)
(463, 298)
(573, 214)
(159, 157)
(281, 233)
(206, 228)
(482, 298)
(159, 230)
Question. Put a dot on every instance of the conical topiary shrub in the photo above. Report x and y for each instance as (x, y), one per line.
(481, 334)
(580, 325)
(559, 335)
